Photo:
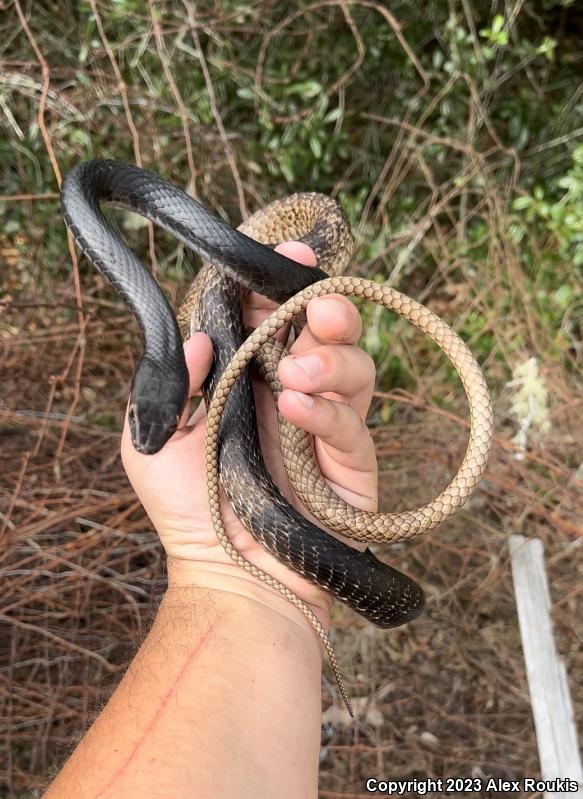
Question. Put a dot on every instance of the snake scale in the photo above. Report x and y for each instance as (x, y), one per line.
(234, 262)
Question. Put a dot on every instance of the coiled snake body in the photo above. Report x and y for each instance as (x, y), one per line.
(235, 262)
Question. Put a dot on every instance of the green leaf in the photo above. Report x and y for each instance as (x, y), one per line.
(316, 146)
(547, 48)
(333, 115)
(497, 23)
(306, 88)
(563, 296)
(286, 167)
(80, 137)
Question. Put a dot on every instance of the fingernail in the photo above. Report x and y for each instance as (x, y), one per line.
(310, 364)
(305, 399)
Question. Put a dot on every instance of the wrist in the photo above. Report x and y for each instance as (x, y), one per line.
(234, 584)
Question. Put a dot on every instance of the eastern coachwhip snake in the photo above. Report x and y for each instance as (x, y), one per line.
(235, 262)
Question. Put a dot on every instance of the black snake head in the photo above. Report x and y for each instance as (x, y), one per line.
(156, 404)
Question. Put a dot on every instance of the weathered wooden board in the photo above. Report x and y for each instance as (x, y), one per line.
(552, 709)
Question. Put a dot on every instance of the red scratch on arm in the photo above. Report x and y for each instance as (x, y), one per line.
(162, 707)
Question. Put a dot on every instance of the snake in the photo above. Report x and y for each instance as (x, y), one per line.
(236, 261)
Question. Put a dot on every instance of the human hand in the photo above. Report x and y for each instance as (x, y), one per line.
(328, 384)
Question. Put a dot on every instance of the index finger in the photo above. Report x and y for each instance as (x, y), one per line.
(256, 307)
(332, 319)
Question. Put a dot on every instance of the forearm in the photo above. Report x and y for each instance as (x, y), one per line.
(222, 700)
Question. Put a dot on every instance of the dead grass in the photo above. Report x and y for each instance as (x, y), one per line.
(82, 570)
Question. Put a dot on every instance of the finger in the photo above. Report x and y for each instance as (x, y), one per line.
(257, 307)
(342, 372)
(344, 447)
(198, 352)
(332, 319)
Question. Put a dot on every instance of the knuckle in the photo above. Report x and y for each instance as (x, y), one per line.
(356, 369)
(341, 421)
(330, 420)
(326, 421)
(370, 370)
